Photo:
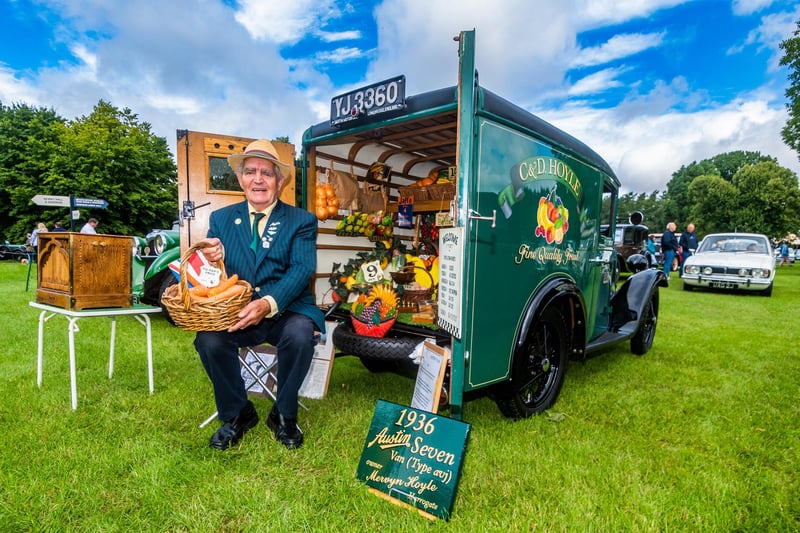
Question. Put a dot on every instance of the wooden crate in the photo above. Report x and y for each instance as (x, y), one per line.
(83, 271)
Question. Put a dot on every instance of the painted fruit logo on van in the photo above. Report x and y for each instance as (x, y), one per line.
(552, 217)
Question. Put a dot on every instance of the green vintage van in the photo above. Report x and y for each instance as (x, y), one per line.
(526, 276)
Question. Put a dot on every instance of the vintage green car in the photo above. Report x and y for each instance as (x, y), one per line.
(152, 255)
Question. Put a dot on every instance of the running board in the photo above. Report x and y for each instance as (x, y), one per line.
(612, 337)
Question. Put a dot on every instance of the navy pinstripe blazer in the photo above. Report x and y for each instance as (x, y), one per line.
(285, 259)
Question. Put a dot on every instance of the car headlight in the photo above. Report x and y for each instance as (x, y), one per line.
(159, 244)
(693, 269)
(761, 273)
(744, 272)
(707, 271)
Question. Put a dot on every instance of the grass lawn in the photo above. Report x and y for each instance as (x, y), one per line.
(700, 434)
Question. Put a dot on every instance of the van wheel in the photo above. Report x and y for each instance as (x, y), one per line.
(168, 281)
(538, 369)
(642, 340)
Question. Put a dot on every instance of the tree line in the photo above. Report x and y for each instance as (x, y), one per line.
(109, 155)
(735, 191)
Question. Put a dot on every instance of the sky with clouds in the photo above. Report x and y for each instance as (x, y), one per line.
(651, 85)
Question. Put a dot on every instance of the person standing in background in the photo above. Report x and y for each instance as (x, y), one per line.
(33, 241)
(58, 227)
(785, 254)
(669, 247)
(90, 226)
(651, 250)
(688, 243)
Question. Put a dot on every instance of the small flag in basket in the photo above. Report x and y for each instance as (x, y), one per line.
(198, 268)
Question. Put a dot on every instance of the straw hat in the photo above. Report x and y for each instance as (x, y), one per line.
(262, 149)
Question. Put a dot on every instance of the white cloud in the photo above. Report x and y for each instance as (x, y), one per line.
(594, 13)
(644, 151)
(773, 29)
(282, 22)
(747, 7)
(17, 90)
(340, 55)
(617, 47)
(596, 82)
(208, 67)
(332, 37)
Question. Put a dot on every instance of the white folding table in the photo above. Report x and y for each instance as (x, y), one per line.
(138, 311)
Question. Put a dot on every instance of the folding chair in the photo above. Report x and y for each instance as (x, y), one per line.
(259, 371)
(260, 363)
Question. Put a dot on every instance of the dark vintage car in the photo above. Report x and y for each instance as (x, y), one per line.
(14, 251)
(629, 239)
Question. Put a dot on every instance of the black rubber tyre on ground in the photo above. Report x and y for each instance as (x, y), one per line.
(642, 340)
(538, 369)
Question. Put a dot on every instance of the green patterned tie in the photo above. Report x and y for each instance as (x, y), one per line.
(256, 218)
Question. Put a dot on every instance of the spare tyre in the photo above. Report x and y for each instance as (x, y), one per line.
(389, 348)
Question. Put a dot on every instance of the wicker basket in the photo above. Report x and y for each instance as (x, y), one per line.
(441, 191)
(412, 296)
(420, 194)
(191, 315)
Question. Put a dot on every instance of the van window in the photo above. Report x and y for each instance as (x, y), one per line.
(221, 176)
(607, 208)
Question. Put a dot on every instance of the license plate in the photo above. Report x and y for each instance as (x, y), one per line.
(369, 101)
(722, 285)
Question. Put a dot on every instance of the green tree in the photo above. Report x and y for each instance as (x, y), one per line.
(27, 141)
(791, 58)
(768, 200)
(650, 205)
(679, 200)
(715, 203)
(729, 163)
(108, 155)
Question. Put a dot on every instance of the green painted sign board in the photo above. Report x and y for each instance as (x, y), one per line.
(414, 456)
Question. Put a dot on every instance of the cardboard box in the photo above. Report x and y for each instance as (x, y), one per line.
(82, 271)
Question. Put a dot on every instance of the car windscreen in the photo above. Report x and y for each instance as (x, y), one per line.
(734, 244)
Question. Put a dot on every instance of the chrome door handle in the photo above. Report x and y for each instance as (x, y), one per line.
(474, 215)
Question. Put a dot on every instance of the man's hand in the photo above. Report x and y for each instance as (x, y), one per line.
(251, 314)
(212, 249)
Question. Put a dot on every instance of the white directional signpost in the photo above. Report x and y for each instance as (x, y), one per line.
(71, 202)
(51, 201)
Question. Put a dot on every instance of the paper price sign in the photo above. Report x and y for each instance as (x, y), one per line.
(372, 271)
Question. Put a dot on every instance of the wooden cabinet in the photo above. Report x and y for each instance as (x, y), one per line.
(82, 271)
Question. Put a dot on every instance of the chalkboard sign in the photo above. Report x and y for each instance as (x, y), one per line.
(414, 457)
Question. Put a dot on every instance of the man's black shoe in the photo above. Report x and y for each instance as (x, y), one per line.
(232, 431)
(285, 430)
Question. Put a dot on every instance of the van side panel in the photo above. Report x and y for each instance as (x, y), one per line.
(546, 227)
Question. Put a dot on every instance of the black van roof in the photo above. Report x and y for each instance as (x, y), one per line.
(490, 103)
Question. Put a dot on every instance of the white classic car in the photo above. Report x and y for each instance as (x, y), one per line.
(731, 261)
